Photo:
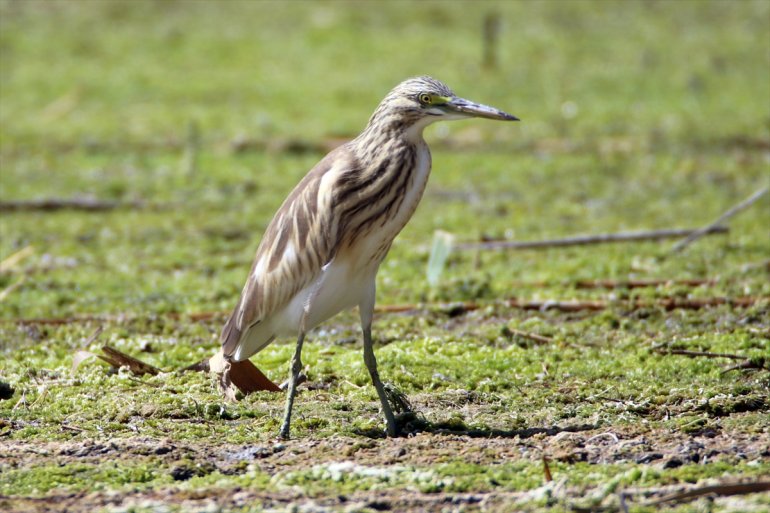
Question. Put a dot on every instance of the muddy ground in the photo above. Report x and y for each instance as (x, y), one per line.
(655, 449)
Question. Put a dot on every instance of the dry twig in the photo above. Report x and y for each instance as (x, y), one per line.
(534, 337)
(586, 239)
(747, 363)
(547, 470)
(685, 352)
(697, 234)
(719, 490)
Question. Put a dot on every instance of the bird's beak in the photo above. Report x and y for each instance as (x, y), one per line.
(467, 108)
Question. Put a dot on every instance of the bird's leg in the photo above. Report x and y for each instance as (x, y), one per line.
(296, 367)
(296, 362)
(366, 309)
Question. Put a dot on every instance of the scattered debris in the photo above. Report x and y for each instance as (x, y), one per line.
(243, 376)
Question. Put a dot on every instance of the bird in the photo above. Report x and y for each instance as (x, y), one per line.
(320, 253)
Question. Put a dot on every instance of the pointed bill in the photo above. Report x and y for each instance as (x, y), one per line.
(477, 110)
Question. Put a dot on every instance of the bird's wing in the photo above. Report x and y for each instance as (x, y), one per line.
(299, 241)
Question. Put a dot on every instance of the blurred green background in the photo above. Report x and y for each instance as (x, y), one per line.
(636, 115)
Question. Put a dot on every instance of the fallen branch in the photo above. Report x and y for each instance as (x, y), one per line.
(587, 239)
(53, 204)
(685, 352)
(697, 234)
(747, 363)
(719, 490)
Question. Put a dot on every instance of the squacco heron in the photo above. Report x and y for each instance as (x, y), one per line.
(321, 252)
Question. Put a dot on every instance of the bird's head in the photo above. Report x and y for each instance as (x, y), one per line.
(421, 101)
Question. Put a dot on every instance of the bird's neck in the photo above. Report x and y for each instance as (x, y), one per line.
(387, 133)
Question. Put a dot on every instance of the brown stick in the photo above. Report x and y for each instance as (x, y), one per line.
(697, 234)
(722, 489)
(540, 339)
(586, 239)
(53, 204)
(547, 471)
(685, 352)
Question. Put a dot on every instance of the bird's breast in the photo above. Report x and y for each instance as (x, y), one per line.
(416, 182)
(372, 246)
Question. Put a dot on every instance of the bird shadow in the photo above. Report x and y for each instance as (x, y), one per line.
(411, 423)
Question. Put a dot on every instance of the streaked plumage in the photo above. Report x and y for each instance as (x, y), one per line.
(320, 253)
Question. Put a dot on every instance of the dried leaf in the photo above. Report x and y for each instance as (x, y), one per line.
(121, 359)
(80, 357)
(244, 376)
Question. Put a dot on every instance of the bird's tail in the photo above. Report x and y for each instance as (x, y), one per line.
(231, 335)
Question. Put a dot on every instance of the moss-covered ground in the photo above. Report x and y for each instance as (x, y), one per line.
(198, 118)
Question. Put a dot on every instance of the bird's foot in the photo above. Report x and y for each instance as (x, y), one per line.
(397, 399)
(399, 403)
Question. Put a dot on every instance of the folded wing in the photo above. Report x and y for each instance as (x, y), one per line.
(300, 240)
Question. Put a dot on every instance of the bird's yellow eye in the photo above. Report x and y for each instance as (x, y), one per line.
(425, 99)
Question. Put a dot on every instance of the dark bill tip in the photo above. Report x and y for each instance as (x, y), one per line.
(478, 110)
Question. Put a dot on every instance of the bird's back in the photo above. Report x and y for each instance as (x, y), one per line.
(297, 243)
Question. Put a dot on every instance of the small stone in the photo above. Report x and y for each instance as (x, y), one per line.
(6, 390)
(649, 457)
(182, 473)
